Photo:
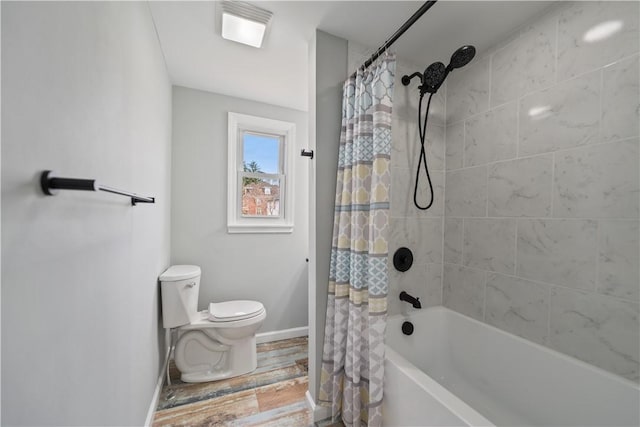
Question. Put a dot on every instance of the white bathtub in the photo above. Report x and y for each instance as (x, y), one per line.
(457, 371)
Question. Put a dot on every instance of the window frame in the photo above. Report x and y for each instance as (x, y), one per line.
(238, 125)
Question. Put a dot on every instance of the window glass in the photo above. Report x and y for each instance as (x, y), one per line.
(261, 153)
(261, 197)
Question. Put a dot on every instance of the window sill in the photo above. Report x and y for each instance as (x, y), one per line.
(259, 228)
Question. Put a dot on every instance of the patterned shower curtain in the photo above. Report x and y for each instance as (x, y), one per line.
(353, 355)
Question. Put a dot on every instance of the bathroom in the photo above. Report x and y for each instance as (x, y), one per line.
(532, 150)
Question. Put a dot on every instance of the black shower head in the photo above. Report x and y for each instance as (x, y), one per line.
(462, 57)
(433, 77)
(436, 73)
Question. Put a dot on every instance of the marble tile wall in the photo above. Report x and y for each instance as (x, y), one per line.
(420, 231)
(542, 195)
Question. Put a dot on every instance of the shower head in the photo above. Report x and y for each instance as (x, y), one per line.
(433, 77)
(461, 57)
(436, 73)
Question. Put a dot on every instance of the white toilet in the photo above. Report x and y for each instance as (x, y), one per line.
(212, 344)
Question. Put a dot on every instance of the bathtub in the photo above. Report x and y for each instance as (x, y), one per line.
(454, 370)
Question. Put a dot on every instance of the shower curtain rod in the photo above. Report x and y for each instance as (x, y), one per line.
(426, 6)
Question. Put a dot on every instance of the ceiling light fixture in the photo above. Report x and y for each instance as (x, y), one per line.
(244, 23)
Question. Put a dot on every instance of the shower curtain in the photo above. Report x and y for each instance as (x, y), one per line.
(353, 354)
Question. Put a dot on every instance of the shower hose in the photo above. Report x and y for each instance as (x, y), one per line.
(422, 128)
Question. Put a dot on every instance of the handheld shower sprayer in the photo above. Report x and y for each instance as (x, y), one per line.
(431, 79)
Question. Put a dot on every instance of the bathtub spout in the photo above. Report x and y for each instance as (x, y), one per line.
(411, 300)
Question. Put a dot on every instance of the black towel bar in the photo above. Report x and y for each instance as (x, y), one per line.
(49, 184)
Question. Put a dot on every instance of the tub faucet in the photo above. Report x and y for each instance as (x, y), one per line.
(411, 300)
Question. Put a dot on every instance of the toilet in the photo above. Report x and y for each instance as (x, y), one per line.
(212, 344)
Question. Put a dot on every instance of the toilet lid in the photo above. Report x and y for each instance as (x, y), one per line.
(234, 310)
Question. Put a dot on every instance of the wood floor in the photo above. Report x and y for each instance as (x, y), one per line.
(272, 395)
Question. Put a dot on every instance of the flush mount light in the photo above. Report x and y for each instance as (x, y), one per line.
(244, 23)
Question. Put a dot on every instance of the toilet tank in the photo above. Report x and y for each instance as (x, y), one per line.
(180, 285)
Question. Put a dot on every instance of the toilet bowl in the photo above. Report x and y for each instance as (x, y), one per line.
(212, 344)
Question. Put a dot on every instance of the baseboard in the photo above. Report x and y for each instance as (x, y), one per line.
(319, 412)
(156, 393)
(283, 334)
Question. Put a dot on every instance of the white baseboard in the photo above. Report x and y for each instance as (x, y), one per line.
(319, 412)
(283, 334)
(156, 393)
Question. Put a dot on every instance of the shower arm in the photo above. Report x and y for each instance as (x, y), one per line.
(407, 79)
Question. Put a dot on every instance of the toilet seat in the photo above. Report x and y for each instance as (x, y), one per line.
(231, 311)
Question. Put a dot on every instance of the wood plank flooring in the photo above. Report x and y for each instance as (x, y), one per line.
(272, 395)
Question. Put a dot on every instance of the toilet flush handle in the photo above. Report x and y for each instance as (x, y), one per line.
(190, 285)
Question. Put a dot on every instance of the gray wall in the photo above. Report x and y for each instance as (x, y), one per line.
(328, 65)
(85, 92)
(270, 268)
(541, 228)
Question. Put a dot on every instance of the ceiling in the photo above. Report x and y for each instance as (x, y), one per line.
(198, 57)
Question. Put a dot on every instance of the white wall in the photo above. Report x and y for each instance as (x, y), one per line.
(85, 93)
(270, 268)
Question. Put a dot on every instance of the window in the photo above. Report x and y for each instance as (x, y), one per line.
(260, 189)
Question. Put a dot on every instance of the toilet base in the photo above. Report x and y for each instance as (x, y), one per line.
(202, 356)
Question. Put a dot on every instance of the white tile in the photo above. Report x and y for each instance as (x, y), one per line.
(526, 64)
(405, 147)
(422, 281)
(597, 182)
(435, 147)
(518, 306)
(468, 90)
(563, 116)
(582, 21)
(453, 240)
(405, 144)
(621, 100)
(402, 187)
(467, 192)
(491, 136)
(521, 187)
(437, 116)
(489, 244)
(561, 252)
(618, 273)
(454, 145)
(422, 235)
(597, 329)
(463, 290)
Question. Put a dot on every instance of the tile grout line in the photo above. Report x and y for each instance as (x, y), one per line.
(515, 255)
(462, 241)
(596, 281)
(553, 184)
(601, 107)
(485, 278)
(548, 340)
(555, 53)
(553, 285)
(444, 192)
(547, 153)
